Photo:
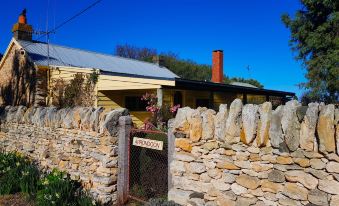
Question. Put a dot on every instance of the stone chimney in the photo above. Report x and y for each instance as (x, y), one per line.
(21, 30)
(217, 66)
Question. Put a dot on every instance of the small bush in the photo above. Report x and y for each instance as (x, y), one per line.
(59, 189)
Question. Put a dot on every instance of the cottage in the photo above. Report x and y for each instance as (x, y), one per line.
(28, 68)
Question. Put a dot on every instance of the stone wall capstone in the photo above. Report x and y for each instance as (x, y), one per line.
(256, 155)
(80, 141)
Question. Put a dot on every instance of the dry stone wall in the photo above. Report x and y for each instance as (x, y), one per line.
(254, 155)
(80, 141)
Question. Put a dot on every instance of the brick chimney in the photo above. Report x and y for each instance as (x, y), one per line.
(21, 30)
(217, 66)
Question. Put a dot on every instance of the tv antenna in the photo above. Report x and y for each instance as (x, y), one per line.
(248, 68)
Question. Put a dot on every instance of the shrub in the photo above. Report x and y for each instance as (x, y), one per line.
(58, 189)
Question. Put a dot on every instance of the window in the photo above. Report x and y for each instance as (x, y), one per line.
(134, 103)
(178, 98)
(202, 103)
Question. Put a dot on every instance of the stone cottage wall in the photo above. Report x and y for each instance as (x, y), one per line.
(81, 141)
(21, 83)
(253, 155)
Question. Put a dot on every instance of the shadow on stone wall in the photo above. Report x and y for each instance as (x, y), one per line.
(20, 89)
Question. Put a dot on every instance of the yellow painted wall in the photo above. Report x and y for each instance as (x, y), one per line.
(116, 99)
(224, 98)
(255, 99)
(190, 97)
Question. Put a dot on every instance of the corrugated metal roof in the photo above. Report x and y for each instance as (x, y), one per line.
(243, 84)
(65, 56)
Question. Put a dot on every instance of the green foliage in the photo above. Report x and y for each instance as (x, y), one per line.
(59, 189)
(17, 174)
(79, 91)
(29, 180)
(186, 69)
(315, 39)
(160, 202)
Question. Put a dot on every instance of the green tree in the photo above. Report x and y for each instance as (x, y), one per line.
(315, 38)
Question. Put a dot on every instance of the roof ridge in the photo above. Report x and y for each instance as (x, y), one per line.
(100, 53)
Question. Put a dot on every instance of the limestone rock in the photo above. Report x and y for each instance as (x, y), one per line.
(179, 196)
(276, 176)
(295, 192)
(308, 140)
(334, 200)
(181, 121)
(219, 185)
(317, 164)
(317, 197)
(303, 162)
(196, 202)
(325, 129)
(320, 174)
(85, 116)
(329, 186)
(220, 123)
(196, 167)
(233, 122)
(195, 123)
(268, 186)
(249, 123)
(248, 181)
(227, 165)
(177, 167)
(183, 144)
(275, 132)
(39, 116)
(290, 125)
(50, 117)
(210, 146)
(238, 189)
(29, 115)
(332, 167)
(208, 124)
(67, 120)
(264, 123)
(95, 119)
(110, 124)
(18, 117)
(305, 179)
(228, 178)
(284, 160)
(184, 156)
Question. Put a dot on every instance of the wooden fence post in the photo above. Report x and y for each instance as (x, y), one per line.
(125, 125)
(171, 147)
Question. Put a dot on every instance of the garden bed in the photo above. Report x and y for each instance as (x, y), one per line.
(21, 183)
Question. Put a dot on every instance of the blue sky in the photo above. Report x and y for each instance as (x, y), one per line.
(250, 32)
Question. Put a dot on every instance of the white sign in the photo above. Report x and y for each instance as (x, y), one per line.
(148, 143)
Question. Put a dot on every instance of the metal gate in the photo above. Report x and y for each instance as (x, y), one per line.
(148, 165)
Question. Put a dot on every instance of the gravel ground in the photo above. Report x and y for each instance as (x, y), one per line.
(15, 200)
